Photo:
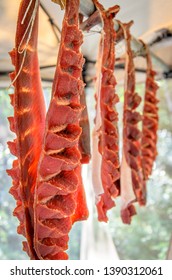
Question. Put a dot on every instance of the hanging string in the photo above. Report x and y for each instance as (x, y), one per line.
(23, 50)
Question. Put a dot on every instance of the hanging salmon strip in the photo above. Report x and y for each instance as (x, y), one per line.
(132, 183)
(59, 196)
(150, 120)
(28, 121)
(105, 158)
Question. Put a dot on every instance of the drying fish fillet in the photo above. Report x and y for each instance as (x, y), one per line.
(60, 197)
(132, 184)
(28, 121)
(150, 120)
(105, 158)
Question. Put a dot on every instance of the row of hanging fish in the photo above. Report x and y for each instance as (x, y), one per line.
(51, 146)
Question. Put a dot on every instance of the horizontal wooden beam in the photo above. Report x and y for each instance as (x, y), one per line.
(88, 9)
